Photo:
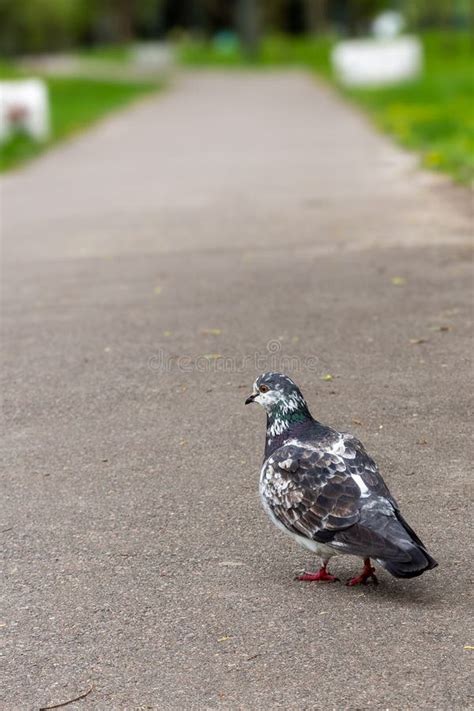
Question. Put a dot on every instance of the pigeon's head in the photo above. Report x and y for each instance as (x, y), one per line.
(276, 392)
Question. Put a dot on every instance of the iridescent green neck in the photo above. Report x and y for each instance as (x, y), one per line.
(285, 414)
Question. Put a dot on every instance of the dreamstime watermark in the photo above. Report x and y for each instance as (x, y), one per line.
(272, 359)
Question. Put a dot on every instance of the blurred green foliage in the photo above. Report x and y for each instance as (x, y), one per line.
(274, 50)
(436, 14)
(32, 26)
(107, 52)
(28, 26)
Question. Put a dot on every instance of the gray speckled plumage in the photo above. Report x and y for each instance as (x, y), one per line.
(321, 487)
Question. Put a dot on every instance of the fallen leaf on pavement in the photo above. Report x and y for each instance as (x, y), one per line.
(231, 563)
(211, 331)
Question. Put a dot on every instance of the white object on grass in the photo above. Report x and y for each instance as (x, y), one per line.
(24, 105)
(152, 56)
(388, 24)
(376, 62)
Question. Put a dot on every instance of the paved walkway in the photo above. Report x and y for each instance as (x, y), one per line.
(256, 217)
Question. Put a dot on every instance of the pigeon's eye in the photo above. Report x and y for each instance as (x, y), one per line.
(264, 388)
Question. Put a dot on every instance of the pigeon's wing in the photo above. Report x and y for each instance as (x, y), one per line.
(310, 491)
(360, 463)
(321, 493)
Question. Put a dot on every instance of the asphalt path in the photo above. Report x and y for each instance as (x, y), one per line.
(152, 267)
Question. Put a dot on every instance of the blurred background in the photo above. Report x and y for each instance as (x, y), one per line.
(407, 62)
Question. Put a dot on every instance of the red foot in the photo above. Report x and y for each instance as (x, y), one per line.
(367, 573)
(322, 575)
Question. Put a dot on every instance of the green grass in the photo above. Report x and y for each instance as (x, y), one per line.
(107, 52)
(433, 115)
(276, 50)
(75, 104)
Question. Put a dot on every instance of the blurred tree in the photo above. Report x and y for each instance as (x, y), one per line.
(438, 13)
(248, 25)
(28, 26)
(148, 18)
(201, 16)
(124, 16)
(316, 12)
(295, 17)
(271, 14)
(34, 25)
(357, 14)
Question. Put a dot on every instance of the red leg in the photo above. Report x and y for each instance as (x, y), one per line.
(367, 573)
(322, 575)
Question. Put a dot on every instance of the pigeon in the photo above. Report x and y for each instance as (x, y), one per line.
(322, 488)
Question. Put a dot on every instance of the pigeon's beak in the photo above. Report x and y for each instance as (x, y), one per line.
(251, 398)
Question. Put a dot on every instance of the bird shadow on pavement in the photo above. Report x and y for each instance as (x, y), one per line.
(402, 594)
(419, 591)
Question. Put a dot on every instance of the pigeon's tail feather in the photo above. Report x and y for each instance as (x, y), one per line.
(417, 557)
(420, 560)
